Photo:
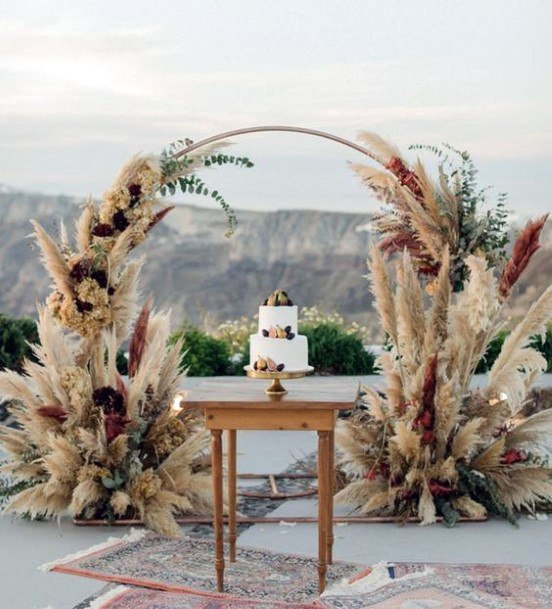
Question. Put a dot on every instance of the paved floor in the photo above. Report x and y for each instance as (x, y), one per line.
(25, 545)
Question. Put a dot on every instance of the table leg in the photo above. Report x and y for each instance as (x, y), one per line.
(323, 490)
(232, 531)
(216, 462)
(331, 474)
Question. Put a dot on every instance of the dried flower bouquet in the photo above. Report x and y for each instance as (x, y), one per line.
(90, 442)
(428, 444)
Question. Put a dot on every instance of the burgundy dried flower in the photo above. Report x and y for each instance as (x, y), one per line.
(135, 190)
(115, 425)
(83, 306)
(80, 269)
(100, 277)
(110, 400)
(120, 221)
(102, 230)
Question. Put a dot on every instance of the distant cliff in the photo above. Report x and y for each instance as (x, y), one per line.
(193, 269)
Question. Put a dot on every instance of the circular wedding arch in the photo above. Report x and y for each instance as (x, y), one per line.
(265, 128)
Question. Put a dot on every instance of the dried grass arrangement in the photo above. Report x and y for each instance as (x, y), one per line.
(428, 445)
(425, 216)
(90, 442)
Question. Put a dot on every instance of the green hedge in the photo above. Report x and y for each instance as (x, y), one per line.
(203, 354)
(15, 333)
(334, 351)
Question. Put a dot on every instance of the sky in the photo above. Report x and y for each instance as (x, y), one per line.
(87, 84)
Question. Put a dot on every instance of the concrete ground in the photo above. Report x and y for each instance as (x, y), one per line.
(26, 545)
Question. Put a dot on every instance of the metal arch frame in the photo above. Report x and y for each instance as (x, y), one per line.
(263, 129)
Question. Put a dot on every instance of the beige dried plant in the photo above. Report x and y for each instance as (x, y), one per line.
(427, 445)
(91, 443)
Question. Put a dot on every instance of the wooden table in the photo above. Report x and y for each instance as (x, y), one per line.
(240, 403)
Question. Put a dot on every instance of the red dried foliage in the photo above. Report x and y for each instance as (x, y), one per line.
(55, 412)
(426, 418)
(115, 425)
(513, 455)
(398, 242)
(524, 247)
(430, 384)
(138, 340)
(158, 217)
(405, 176)
(438, 489)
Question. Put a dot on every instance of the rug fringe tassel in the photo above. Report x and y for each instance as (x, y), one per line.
(370, 580)
(99, 603)
(134, 535)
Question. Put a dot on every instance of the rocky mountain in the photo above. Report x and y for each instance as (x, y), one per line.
(318, 256)
(206, 278)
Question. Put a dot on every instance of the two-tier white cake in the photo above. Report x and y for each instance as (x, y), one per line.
(277, 346)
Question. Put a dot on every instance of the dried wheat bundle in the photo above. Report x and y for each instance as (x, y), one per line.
(427, 445)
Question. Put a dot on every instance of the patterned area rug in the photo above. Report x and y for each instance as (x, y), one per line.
(187, 565)
(124, 597)
(442, 586)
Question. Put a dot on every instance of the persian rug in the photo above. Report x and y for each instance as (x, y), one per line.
(125, 597)
(187, 565)
(409, 586)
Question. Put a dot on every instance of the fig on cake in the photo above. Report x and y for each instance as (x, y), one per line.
(278, 298)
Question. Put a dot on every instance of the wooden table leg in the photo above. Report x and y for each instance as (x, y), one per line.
(232, 530)
(323, 491)
(216, 462)
(331, 474)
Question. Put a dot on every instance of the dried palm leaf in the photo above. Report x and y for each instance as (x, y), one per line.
(83, 227)
(382, 150)
(53, 261)
(514, 354)
(466, 440)
(523, 487)
(383, 294)
(536, 429)
(438, 316)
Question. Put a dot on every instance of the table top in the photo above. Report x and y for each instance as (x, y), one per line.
(241, 392)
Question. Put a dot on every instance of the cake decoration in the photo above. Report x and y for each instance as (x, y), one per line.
(278, 298)
(278, 332)
(268, 364)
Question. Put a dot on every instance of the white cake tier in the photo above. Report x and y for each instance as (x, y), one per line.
(278, 316)
(292, 353)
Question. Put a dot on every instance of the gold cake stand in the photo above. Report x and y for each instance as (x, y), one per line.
(276, 388)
